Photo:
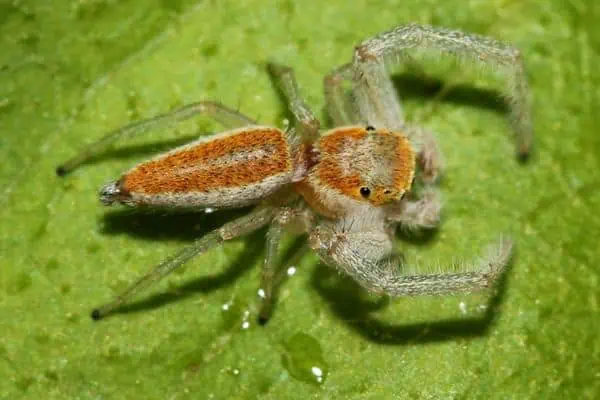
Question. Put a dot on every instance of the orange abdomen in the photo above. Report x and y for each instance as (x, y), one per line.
(231, 169)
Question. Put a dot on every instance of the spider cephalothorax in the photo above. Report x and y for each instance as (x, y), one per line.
(358, 167)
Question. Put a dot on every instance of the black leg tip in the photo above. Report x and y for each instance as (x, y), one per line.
(523, 156)
(61, 171)
(524, 152)
(262, 320)
(96, 316)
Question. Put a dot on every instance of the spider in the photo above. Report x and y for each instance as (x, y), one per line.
(348, 188)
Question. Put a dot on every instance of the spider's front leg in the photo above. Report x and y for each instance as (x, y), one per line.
(429, 156)
(368, 258)
(376, 97)
(412, 215)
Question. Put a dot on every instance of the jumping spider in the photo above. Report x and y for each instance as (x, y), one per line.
(345, 188)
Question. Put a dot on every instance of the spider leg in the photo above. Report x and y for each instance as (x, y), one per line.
(269, 268)
(429, 156)
(423, 213)
(286, 217)
(340, 106)
(377, 269)
(231, 230)
(374, 91)
(307, 123)
(222, 114)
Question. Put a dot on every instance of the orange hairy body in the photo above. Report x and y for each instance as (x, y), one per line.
(232, 169)
(244, 158)
(346, 168)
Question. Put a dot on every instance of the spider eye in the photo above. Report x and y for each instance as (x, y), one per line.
(365, 192)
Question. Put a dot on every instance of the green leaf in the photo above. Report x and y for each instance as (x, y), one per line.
(70, 71)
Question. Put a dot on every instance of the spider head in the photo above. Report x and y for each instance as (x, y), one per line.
(358, 167)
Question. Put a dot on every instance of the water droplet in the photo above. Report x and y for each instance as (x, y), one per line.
(291, 271)
(245, 322)
(303, 359)
(235, 314)
(462, 306)
(261, 293)
(318, 373)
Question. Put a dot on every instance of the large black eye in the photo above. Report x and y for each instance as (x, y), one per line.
(365, 192)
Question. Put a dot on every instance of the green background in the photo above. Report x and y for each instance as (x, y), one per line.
(72, 70)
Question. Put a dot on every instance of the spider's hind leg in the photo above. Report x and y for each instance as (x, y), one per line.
(220, 113)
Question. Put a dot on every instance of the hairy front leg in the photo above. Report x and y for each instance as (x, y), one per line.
(429, 156)
(368, 259)
(375, 92)
(422, 213)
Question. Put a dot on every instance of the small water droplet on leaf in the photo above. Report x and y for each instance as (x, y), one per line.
(303, 358)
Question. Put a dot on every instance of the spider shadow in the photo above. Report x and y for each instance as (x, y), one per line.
(347, 300)
(411, 84)
(159, 224)
(184, 226)
(422, 237)
(417, 85)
